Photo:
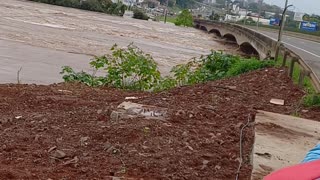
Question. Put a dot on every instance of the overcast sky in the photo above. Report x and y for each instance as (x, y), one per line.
(307, 6)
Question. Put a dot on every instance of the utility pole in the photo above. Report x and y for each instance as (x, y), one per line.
(282, 23)
(166, 12)
(260, 4)
(246, 4)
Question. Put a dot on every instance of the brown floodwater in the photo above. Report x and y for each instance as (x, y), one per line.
(41, 38)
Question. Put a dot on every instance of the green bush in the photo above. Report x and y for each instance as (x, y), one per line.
(139, 14)
(131, 69)
(184, 19)
(126, 68)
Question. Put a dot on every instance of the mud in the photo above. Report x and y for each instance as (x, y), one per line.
(198, 140)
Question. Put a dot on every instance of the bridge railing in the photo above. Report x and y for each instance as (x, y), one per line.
(305, 70)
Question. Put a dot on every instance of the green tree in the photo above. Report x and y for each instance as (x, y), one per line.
(184, 19)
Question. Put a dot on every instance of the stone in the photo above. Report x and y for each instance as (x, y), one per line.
(277, 102)
(107, 146)
(52, 148)
(18, 117)
(204, 164)
(129, 110)
(99, 111)
(72, 161)
(84, 141)
(217, 167)
(185, 134)
(59, 154)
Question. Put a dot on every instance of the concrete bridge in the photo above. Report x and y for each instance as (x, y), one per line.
(250, 41)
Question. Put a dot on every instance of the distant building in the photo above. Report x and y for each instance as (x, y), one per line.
(210, 1)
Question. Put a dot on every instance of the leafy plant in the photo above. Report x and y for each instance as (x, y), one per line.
(126, 68)
(139, 14)
(130, 68)
(184, 19)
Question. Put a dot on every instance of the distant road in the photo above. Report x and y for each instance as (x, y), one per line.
(308, 50)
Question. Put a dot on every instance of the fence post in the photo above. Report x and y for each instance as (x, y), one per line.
(284, 62)
(303, 74)
(293, 60)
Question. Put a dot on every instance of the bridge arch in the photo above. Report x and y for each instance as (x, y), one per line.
(216, 31)
(247, 48)
(203, 28)
(230, 37)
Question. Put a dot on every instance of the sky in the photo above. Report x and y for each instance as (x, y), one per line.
(306, 6)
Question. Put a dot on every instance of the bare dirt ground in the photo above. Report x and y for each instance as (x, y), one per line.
(86, 33)
(199, 139)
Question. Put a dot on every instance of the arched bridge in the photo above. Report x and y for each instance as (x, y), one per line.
(249, 40)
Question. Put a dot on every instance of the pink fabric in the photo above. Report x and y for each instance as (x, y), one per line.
(306, 171)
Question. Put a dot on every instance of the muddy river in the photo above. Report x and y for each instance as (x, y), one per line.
(41, 38)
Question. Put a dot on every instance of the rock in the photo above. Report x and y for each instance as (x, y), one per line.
(129, 110)
(18, 117)
(72, 161)
(217, 167)
(180, 113)
(277, 102)
(84, 141)
(185, 134)
(131, 98)
(204, 164)
(305, 111)
(99, 111)
(107, 146)
(208, 107)
(189, 147)
(52, 148)
(231, 87)
(59, 154)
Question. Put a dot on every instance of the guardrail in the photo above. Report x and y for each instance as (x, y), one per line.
(306, 70)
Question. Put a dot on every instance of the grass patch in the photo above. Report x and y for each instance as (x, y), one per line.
(171, 19)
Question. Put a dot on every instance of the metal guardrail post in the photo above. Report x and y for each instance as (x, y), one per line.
(303, 74)
(285, 56)
(293, 60)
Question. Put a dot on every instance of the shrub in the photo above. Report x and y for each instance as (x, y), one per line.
(184, 19)
(126, 68)
(130, 68)
(139, 14)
